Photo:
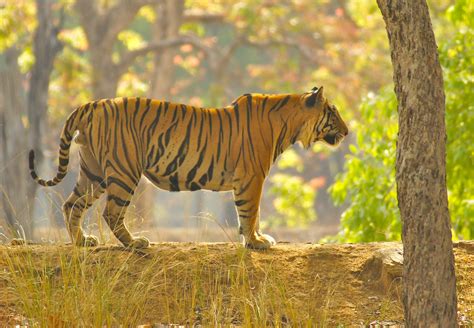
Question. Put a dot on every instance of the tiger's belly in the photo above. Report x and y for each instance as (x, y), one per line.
(178, 182)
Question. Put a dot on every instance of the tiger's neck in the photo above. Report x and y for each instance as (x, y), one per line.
(287, 136)
(285, 118)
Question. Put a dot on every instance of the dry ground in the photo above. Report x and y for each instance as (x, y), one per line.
(211, 284)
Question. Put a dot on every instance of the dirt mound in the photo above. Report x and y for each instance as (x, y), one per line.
(213, 284)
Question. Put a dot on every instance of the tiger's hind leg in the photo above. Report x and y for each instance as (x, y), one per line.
(119, 192)
(88, 189)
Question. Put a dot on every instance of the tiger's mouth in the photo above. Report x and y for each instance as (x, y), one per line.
(333, 139)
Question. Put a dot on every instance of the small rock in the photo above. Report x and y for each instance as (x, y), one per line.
(384, 268)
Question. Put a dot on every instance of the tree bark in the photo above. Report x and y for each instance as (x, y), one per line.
(13, 135)
(18, 135)
(428, 275)
(46, 47)
(168, 22)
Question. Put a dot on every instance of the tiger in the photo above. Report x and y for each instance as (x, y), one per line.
(185, 148)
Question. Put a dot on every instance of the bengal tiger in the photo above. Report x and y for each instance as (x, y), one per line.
(180, 147)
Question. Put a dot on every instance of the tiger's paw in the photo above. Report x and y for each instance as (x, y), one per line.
(139, 243)
(260, 241)
(88, 241)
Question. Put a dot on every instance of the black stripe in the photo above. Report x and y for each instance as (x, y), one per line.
(93, 177)
(279, 105)
(154, 124)
(241, 202)
(221, 135)
(236, 111)
(243, 188)
(183, 111)
(150, 156)
(147, 110)
(31, 160)
(77, 192)
(125, 103)
(203, 180)
(192, 173)
(121, 184)
(262, 110)
(175, 114)
(118, 200)
(210, 121)
(194, 186)
(64, 145)
(182, 152)
(229, 148)
(174, 183)
(278, 147)
(210, 170)
(249, 129)
(200, 132)
(168, 133)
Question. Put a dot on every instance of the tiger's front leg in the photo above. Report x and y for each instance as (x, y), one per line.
(247, 195)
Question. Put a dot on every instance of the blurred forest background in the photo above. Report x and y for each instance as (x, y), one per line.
(58, 54)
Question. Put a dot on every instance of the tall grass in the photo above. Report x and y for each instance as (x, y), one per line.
(75, 287)
(60, 285)
(64, 286)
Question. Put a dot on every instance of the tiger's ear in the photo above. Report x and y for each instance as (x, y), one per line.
(315, 97)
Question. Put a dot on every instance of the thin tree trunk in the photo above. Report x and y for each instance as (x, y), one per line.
(18, 190)
(46, 47)
(428, 276)
(168, 22)
(13, 135)
(105, 77)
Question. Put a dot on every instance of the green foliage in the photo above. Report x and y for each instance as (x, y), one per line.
(11, 32)
(457, 58)
(131, 39)
(293, 201)
(290, 159)
(368, 182)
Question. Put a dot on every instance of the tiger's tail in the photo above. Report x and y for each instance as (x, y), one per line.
(71, 125)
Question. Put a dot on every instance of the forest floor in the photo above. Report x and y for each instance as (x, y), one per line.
(212, 284)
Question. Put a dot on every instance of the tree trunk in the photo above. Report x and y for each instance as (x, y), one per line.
(428, 275)
(168, 22)
(14, 178)
(105, 75)
(46, 46)
(18, 134)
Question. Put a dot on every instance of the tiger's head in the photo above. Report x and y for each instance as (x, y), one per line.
(323, 122)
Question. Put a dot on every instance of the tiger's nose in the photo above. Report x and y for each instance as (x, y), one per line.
(346, 133)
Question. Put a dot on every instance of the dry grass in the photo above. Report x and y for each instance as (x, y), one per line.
(209, 284)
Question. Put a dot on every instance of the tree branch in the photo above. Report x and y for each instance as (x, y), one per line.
(130, 56)
(191, 16)
(304, 51)
(111, 22)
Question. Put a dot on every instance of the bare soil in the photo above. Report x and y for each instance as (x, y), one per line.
(331, 284)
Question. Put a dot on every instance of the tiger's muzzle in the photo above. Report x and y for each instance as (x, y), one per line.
(334, 139)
